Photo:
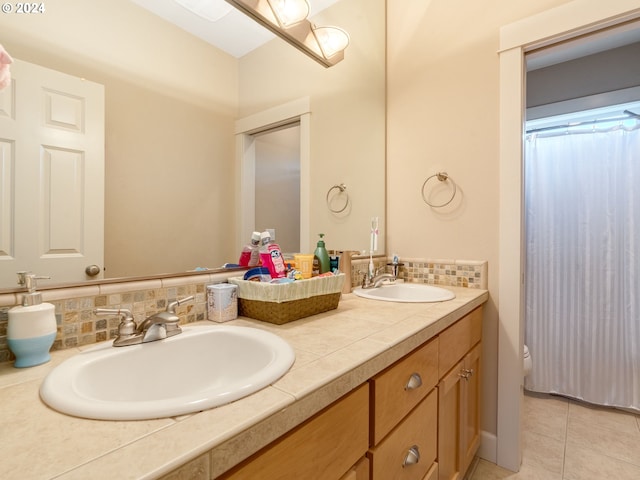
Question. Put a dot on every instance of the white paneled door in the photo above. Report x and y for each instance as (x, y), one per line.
(51, 175)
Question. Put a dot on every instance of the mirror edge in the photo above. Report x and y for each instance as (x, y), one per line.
(105, 281)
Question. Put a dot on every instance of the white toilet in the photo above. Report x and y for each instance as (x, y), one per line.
(527, 361)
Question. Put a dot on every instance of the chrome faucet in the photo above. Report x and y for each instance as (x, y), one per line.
(156, 327)
(374, 281)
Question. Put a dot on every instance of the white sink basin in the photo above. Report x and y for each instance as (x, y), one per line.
(406, 292)
(203, 367)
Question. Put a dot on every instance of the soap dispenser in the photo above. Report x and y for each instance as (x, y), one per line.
(32, 327)
(321, 262)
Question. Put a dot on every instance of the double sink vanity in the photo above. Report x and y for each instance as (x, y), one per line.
(378, 390)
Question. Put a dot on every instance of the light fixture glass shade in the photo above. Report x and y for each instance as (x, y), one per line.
(287, 19)
(212, 10)
(331, 40)
(289, 12)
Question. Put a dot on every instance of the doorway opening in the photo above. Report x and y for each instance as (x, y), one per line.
(273, 146)
(277, 184)
(570, 20)
(581, 144)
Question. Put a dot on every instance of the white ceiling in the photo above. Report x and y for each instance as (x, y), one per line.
(235, 33)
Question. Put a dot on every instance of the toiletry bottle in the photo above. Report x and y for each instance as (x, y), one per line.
(334, 261)
(395, 266)
(32, 326)
(321, 263)
(345, 268)
(250, 256)
(271, 256)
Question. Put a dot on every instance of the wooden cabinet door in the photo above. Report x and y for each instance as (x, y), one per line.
(459, 417)
(471, 404)
(450, 398)
(324, 447)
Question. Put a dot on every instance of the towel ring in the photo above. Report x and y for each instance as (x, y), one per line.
(442, 177)
(343, 188)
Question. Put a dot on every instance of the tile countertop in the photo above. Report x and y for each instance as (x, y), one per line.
(335, 352)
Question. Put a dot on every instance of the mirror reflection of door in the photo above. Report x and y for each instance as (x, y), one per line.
(277, 184)
(51, 175)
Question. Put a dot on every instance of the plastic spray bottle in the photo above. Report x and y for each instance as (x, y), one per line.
(250, 256)
(271, 256)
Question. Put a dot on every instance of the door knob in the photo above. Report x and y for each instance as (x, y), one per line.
(92, 270)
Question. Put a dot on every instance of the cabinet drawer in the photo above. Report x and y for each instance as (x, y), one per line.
(326, 446)
(458, 339)
(432, 474)
(420, 430)
(399, 388)
(360, 471)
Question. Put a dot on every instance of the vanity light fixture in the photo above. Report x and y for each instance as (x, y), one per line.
(207, 9)
(289, 12)
(325, 45)
(331, 40)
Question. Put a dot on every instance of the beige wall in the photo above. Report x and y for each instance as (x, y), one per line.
(443, 88)
(171, 101)
(118, 38)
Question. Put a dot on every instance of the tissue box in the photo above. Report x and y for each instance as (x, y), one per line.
(222, 302)
(286, 302)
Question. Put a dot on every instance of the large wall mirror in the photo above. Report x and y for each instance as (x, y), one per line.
(171, 105)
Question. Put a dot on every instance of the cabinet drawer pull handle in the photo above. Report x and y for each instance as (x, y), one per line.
(464, 374)
(412, 457)
(414, 382)
(468, 371)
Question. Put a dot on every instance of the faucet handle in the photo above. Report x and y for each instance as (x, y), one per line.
(366, 279)
(168, 317)
(121, 312)
(127, 323)
(395, 266)
(171, 308)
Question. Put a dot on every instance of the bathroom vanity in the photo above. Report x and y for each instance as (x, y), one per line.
(375, 385)
(396, 425)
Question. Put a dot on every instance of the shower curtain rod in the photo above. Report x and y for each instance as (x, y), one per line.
(630, 116)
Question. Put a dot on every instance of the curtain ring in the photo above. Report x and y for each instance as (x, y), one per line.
(342, 187)
(442, 177)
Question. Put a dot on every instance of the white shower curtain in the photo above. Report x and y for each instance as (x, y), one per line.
(582, 291)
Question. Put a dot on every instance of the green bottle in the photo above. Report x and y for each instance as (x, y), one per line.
(321, 262)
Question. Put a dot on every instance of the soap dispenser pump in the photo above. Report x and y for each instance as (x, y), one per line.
(321, 262)
(32, 327)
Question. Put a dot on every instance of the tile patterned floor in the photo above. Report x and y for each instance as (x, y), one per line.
(568, 440)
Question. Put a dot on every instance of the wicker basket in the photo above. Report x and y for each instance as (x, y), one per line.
(283, 303)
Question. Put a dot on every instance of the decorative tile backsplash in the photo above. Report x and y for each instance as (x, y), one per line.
(78, 325)
(454, 273)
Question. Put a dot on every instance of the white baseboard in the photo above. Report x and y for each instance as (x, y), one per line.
(488, 447)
